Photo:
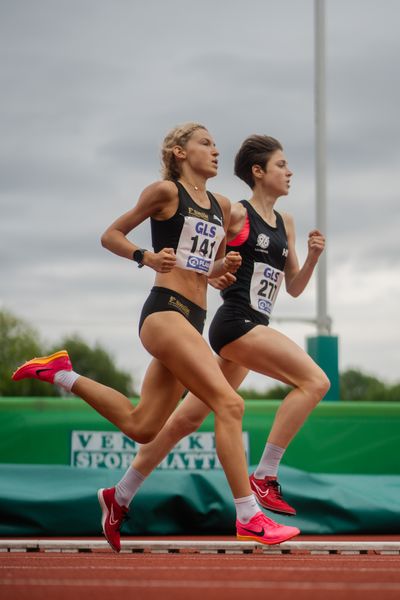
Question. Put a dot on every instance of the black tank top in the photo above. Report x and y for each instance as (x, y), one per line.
(165, 234)
(196, 230)
(264, 252)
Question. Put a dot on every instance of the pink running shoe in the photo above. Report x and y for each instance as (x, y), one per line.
(112, 517)
(44, 367)
(269, 494)
(264, 530)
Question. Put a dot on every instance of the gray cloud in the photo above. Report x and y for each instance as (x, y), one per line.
(90, 88)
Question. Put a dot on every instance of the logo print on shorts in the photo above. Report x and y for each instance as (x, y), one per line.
(263, 241)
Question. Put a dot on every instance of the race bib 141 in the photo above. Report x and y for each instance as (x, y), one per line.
(198, 245)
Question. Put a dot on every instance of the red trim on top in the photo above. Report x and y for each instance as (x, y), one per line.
(243, 234)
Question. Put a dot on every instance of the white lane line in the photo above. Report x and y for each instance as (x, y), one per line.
(155, 546)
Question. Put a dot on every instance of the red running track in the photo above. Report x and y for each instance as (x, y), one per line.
(97, 575)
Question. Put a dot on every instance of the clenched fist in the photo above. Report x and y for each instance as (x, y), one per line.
(232, 261)
(316, 244)
(162, 262)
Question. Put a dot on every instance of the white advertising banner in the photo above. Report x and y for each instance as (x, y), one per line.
(114, 450)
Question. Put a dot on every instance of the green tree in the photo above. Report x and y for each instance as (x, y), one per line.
(18, 341)
(277, 392)
(393, 393)
(355, 385)
(96, 363)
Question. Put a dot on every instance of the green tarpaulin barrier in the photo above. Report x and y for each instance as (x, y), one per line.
(40, 500)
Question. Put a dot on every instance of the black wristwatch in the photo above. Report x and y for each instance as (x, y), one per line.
(138, 256)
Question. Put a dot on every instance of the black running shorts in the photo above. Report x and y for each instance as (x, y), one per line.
(162, 299)
(231, 321)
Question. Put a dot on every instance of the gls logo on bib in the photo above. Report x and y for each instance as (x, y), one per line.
(264, 287)
(198, 245)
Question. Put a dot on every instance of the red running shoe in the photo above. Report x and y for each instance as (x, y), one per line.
(264, 530)
(112, 517)
(44, 367)
(269, 494)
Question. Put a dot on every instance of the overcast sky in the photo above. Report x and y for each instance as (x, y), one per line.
(89, 88)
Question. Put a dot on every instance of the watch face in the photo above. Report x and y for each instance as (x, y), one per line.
(138, 256)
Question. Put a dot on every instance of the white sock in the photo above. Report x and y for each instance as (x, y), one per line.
(246, 508)
(269, 463)
(65, 379)
(128, 486)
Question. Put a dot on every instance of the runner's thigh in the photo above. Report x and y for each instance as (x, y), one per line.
(267, 351)
(185, 353)
(159, 396)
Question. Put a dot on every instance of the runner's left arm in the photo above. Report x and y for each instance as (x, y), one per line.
(296, 278)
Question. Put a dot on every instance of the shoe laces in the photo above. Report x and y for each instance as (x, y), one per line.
(264, 520)
(275, 488)
(124, 517)
(124, 514)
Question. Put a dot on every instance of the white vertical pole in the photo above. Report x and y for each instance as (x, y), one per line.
(323, 321)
